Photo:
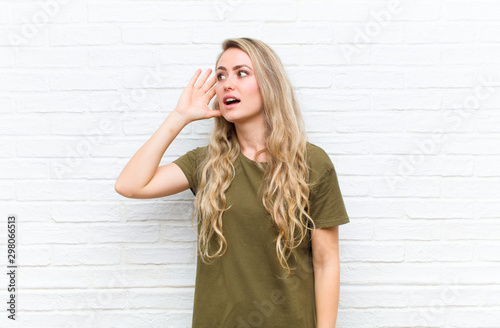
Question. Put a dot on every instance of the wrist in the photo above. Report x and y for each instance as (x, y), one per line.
(179, 118)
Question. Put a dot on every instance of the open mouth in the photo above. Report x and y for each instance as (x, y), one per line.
(231, 101)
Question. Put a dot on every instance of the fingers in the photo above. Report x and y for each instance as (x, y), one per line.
(203, 78)
(210, 83)
(210, 94)
(195, 77)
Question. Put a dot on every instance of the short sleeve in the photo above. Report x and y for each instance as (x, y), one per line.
(189, 163)
(327, 208)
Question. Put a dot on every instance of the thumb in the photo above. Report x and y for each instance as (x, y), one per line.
(214, 113)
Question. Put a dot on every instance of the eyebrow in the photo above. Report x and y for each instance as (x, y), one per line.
(234, 68)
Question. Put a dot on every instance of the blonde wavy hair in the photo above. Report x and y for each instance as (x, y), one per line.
(285, 187)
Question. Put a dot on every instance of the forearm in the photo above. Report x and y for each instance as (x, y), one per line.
(143, 165)
(327, 289)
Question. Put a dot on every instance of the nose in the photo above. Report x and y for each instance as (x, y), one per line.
(229, 83)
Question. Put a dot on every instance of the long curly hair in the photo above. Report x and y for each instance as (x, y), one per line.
(285, 187)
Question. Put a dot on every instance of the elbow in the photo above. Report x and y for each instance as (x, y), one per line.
(331, 263)
(122, 190)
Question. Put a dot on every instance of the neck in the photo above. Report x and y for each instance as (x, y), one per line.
(252, 138)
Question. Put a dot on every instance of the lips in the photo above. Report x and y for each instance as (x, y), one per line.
(231, 101)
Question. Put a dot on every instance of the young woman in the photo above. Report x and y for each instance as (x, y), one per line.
(268, 202)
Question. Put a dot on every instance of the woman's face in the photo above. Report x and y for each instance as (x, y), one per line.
(236, 79)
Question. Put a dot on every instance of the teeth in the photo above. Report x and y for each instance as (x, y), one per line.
(231, 100)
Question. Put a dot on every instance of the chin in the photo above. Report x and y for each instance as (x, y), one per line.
(230, 118)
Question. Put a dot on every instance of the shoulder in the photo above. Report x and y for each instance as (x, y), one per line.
(200, 151)
(192, 158)
(317, 159)
(197, 153)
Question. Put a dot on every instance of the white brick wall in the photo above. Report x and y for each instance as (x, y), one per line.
(404, 96)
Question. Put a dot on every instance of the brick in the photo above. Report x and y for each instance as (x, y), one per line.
(486, 208)
(471, 229)
(487, 121)
(38, 256)
(210, 32)
(158, 211)
(87, 168)
(368, 252)
(407, 230)
(178, 11)
(7, 104)
(258, 11)
(168, 34)
(333, 11)
(56, 102)
(128, 277)
(52, 190)
(438, 252)
(488, 252)
(184, 276)
(124, 56)
(122, 12)
(103, 298)
(439, 78)
(393, 55)
(310, 77)
(319, 100)
(358, 37)
(57, 319)
(445, 295)
(404, 99)
(28, 212)
(102, 34)
(38, 233)
(125, 233)
(18, 81)
(161, 299)
(367, 78)
(7, 57)
(201, 55)
(85, 255)
(440, 32)
(160, 255)
(439, 209)
(37, 300)
(86, 212)
(482, 317)
(460, 10)
(53, 57)
(55, 277)
(131, 319)
(49, 11)
(286, 33)
(390, 273)
(90, 80)
(23, 169)
(473, 187)
(374, 296)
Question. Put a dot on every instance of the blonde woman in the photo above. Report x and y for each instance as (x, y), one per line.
(268, 203)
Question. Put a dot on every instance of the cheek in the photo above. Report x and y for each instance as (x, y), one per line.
(254, 89)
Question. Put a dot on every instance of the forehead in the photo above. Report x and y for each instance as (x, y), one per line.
(234, 56)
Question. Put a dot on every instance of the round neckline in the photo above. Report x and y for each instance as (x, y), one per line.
(250, 160)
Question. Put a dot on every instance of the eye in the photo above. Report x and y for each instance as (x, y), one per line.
(220, 75)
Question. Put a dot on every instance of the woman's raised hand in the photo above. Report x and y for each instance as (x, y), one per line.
(194, 100)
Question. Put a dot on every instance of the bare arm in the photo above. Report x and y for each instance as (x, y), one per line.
(142, 177)
(324, 243)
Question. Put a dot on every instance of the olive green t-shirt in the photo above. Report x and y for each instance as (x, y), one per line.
(244, 288)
